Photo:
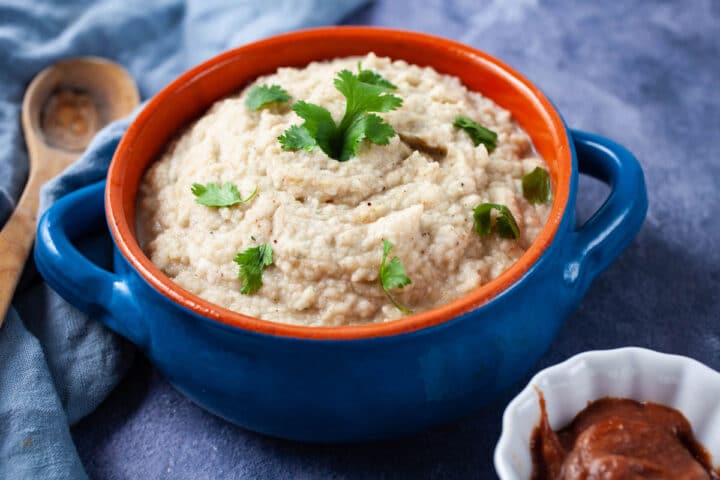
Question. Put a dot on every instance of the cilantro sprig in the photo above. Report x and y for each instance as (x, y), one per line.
(341, 141)
(216, 195)
(478, 134)
(373, 78)
(505, 224)
(393, 275)
(536, 186)
(261, 96)
(252, 262)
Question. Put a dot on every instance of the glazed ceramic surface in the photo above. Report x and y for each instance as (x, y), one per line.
(644, 375)
(348, 383)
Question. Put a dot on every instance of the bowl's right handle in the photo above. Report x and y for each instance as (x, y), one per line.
(92, 289)
(597, 243)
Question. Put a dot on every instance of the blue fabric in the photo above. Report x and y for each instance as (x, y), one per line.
(57, 365)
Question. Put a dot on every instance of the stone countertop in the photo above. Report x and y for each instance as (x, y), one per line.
(644, 73)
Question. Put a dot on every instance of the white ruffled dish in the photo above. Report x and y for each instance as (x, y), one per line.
(644, 375)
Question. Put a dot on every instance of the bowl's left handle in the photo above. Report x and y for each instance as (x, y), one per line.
(92, 289)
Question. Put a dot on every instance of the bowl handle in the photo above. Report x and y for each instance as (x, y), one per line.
(597, 243)
(78, 280)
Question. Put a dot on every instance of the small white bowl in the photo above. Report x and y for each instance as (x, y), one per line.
(637, 373)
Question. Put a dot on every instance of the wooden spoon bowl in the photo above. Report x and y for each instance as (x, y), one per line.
(64, 106)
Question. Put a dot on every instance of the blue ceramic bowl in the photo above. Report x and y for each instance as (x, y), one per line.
(345, 383)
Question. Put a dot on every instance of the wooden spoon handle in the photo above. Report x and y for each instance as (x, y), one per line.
(63, 107)
(16, 238)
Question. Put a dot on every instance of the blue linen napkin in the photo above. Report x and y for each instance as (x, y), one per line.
(56, 364)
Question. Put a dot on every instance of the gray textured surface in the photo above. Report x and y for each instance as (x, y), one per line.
(643, 73)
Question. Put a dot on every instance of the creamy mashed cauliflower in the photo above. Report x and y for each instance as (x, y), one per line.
(326, 219)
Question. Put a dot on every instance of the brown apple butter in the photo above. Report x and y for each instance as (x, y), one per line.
(620, 439)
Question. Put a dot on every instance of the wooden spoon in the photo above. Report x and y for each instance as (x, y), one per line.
(64, 106)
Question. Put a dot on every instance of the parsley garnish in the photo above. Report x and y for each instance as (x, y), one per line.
(252, 261)
(478, 133)
(536, 186)
(263, 95)
(341, 141)
(505, 224)
(393, 275)
(373, 78)
(215, 195)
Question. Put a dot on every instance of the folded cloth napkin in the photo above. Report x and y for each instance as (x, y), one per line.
(56, 364)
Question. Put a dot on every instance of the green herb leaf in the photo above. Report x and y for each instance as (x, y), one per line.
(376, 130)
(261, 96)
(373, 78)
(536, 186)
(505, 224)
(393, 275)
(341, 141)
(319, 125)
(215, 195)
(370, 127)
(478, 133)
(252, 261)
(363, 97)
(297, 137)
